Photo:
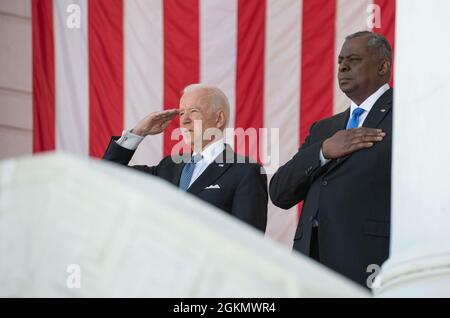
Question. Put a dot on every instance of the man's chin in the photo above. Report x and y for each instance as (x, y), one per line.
(346, 88)
(196, 144)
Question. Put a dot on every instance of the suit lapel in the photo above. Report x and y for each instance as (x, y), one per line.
(339, 123)
(342, 125)
(379, 110)
(213, 171)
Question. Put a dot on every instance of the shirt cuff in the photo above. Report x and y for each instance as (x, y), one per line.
(323, 160)
(129, 140)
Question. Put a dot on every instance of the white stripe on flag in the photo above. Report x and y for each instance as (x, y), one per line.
(282, 98)
(144, 72)
(351, 17)
(71, 77)
(218, 40)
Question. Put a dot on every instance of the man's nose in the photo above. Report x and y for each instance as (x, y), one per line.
(185, 119)
(343, 67)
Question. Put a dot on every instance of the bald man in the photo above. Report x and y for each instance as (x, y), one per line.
(342, 172)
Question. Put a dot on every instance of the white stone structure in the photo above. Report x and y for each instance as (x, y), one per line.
(73, 227)
(419, 263)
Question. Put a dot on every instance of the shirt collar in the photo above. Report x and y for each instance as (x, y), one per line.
(212, 150)
(371, 100)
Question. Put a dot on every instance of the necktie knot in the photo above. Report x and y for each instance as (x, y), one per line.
(354, 120)
(358, 111)
(196, 158)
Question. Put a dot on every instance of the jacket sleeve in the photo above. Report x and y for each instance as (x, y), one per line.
(251, 198)
(290, 184)
(122, 156)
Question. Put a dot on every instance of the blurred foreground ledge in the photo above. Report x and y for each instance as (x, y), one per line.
(75, 227)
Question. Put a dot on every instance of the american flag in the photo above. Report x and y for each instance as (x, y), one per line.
(101, 65)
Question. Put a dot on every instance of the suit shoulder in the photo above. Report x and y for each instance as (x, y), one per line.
(332, 119)
(244, 159)
(247, 164)
(239, 162)
(171, 160)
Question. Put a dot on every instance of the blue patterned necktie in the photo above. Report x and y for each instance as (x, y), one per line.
(188, 170)
(354, 121)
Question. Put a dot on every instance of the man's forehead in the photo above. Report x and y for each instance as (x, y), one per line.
(193, 101)
(356, 45)
(200, 96)
(197, 94)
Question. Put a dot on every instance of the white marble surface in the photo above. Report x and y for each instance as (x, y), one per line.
(419, 263)
(133, 235)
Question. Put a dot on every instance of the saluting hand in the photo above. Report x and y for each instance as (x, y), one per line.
(154, 123)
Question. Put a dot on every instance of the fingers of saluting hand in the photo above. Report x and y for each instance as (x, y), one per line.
(165, 124)
(169, 113)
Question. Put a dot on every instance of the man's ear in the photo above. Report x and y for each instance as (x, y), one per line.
(384, 67)
(220, 120)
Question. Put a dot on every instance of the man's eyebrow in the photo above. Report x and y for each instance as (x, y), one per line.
(189, 108)
(350, 55)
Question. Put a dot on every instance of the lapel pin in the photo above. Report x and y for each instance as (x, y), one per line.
(382, 110)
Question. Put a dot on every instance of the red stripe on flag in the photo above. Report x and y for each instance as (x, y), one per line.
(43, 76)
(318, 62)
(387, 27)
(181, 55)
(106, 95)
(250, 72)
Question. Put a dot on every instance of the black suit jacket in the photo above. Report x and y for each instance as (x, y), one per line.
(243, 185)
(350, 196)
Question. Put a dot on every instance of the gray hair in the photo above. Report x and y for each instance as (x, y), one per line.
(377, 42)
(218, 99)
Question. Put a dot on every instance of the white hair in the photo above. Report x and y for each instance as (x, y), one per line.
(218, 99)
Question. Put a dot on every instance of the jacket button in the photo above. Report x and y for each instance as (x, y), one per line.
(324, 183)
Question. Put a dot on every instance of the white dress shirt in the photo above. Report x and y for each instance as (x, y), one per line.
(367, 106)
(131, 141)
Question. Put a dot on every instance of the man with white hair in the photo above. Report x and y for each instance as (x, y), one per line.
(213, 172)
